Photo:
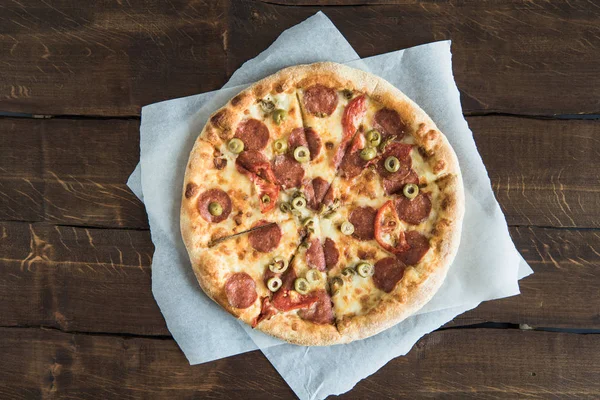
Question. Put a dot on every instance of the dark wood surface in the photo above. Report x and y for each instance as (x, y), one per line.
(77, 314)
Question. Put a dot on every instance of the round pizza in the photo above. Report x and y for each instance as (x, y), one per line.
(321, 205)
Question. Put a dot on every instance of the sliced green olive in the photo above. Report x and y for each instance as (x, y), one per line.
(365, 269)
(285, 207)
(299, 203)
(280, 146)
(266, 199)
(368, 153)
(309, 224)
(267, 106)
(313, 276)
(274, 284)
(235, 146)
(386, 142)
(348, 272)
(373, 137)
(278, 265)
(410, 190)
(215, 209)
(336, 284)
(347, 93)
(279, 115)
(301, 286)
(392, 164)
(347, 228)
(302, 154)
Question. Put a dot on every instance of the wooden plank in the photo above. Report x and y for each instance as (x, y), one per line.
(69, 172)
(73, 172)
(505, 53)
(98, 280)
(564, 292)
(109, 58)
(78, 279)
(481, 363)
(542, 171)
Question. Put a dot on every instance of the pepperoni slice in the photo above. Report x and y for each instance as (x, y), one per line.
(315, 192)
(332, 255)
(315, 257)
(254, 162)
(419, 246)
(265, 239)
(388, 272)
(253, 133)
(289, 172)
(320, 100)
(286, 299)
(363, 219)
(395, 185)
(306, 137)
(402, 152)
(240, 289)
(214, 196)
(414, 211)
(321, 311)
(389, 123)
(352, 164)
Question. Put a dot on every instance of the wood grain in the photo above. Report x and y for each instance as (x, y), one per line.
(108, 58)
(73, 172)
(69, 172)
(477, 363)
(98, 280)
(518, 57)
(111, 59)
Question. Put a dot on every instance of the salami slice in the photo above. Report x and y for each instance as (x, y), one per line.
(321, 311)
(240, 289)
(265, 239)
(315, 191)
(414, 211)
(214, 196)
(389, 123)
(314, 142)
(363, 219)
(402, 152)
(315, 257)
(395, 185)
(332, 254)
(297, 138)
(388, 272)
(419, 246)
(253, 133)
(249, 161)
(320, 100)
(289, 172)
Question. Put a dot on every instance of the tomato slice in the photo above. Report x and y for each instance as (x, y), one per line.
(269, 189)
(353, 114)
(388, 233)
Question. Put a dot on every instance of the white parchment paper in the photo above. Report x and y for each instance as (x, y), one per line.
(487, 265)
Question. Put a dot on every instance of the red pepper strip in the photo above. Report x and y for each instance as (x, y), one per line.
(387, 222)
(353, 114)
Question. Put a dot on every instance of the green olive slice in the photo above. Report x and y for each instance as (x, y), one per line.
(313, 276)
(278, 265)
(280, 146)
(299, 203)
(301, 286)
(336, 284)
(347, 228)
(266, 199)
(215, 209)
(274, 283)
(279, 116)
(348, 272)
(373, 137)
(365, 269)
(368, 153)
(410, 190)
(392, 164)
(267, 105)
(285, 207)
(302, 154)
(235, 146)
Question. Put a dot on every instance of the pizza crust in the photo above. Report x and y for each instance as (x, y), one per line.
(419, 284)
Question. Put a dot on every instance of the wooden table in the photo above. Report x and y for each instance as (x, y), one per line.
(78, 318)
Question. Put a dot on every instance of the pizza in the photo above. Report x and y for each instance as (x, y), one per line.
(321, 205)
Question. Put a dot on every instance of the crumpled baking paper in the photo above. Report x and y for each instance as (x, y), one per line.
(487, 265)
